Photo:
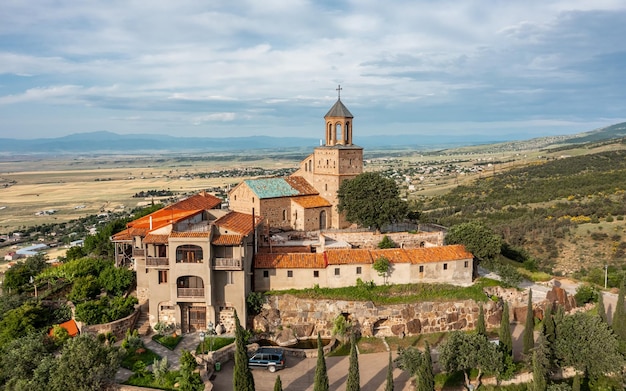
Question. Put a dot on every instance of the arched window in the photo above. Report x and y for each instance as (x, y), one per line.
(284, 214)
(323, 219)
(348, 137)
(338, 132)
(188, 253)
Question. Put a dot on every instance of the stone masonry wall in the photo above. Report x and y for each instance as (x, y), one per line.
(117, 328)
(286, 317)
(371, 239)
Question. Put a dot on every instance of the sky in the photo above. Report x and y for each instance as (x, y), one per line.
(505, 69)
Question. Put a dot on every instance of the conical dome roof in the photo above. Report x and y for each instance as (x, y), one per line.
(339, 110)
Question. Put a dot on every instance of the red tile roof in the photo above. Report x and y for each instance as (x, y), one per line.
(160, 218)
(227, 240)
(454, 252)
(70, 326)
(190, 234)
(301, 185)
(122, 235)
(238, 222)
(199, 201)
(293, 260)
(155, 239)
(361, 256)
(311, 201)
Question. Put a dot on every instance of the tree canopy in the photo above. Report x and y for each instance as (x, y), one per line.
(371, 200)
(477, 238)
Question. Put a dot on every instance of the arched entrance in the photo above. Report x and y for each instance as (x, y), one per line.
(323, 220)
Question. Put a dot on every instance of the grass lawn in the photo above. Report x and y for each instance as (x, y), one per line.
(416, 341)
(371, 345)
(168, 341)
(149, 382)
(141, 354)
(216, 344)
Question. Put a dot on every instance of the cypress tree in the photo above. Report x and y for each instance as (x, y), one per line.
(278, 385)
(619, 319)
(389, 384)
(549, 327)
(601, 308)
(506, 340)
(320, 382)
(425, 375)
(576, 383)
(242, 377)
(529, 326)
(541, 364)
(354, 378)
(481, 329)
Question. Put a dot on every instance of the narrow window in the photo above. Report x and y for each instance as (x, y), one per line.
(266, 273)
(445, 266)
(252, 199)
(465, 264)
(421, 269)
(316, 273)
(289, 273)
(230, 279)
(358, 270)
(162, 276)
(284, 214)
(337, 271)
(326, 187)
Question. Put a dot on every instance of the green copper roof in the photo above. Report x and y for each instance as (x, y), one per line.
(271, 187)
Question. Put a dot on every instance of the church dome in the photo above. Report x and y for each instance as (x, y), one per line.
(339, 110)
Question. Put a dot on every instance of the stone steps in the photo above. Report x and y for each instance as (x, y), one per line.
(143, 324)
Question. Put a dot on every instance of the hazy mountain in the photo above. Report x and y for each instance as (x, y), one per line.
(108, 142)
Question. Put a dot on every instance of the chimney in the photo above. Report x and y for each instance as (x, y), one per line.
(150, 223)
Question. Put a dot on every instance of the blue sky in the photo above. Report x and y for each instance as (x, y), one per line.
(491, 68)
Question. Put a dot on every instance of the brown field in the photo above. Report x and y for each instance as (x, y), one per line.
(80, 188)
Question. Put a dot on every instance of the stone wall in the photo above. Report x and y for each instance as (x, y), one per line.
(285, 317)
(117, 328)
(402, 239)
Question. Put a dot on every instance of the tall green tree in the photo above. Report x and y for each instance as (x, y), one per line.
(278, 384)
(383, 267)
(409, 360)
(481, 329)
(504, 333)
(371, 200)
(541, 364)
(389, 381)
(576, 383)
(85, 364)
(425, 373)
(354, 378)
(587, 344)
(320, 383)
(465, 352)
(478, 239)
(601, 308)
(529, 325)
(242, 377)
(619, 318)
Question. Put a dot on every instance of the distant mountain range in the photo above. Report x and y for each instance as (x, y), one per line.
(108, 142)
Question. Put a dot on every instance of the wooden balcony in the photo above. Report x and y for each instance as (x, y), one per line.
(157, 261)
(227, 264)
(190, 292)
(139, 252)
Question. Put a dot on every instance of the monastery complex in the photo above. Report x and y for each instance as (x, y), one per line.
(197, 261)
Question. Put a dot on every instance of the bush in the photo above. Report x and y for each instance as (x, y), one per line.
(105, 310)
(387, 243)
(84, 288)
(255, 302)
(585, 294)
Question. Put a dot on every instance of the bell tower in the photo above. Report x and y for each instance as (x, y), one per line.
(338, 123)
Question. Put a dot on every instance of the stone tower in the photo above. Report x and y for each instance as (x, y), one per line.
(334, 162)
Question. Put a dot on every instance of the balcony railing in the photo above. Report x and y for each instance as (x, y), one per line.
(139, 252)
(157, 261)
(227, 264)
(190, 292)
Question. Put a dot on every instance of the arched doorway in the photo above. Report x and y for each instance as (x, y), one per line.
(323, 220)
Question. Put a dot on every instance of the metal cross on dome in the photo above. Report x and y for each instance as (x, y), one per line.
(338, 89)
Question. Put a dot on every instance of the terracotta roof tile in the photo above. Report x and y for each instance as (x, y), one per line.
(293, 260)
(155, 239)
(394, 255)
(190, 234)
(70, 326)
(227, 240)
(438, 254)
(311, 201)
(199, 201)
(161, 218)
(238, 222)
(301, 185)
(347, 257)
(122, 235)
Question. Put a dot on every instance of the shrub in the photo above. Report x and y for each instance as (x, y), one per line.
(105, 310)
(84, 288)
(254, 302)
(585, 294)
(387, 243)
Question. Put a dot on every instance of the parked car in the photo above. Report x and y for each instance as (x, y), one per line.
(270, 358)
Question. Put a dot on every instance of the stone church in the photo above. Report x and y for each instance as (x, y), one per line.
(307, 200)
